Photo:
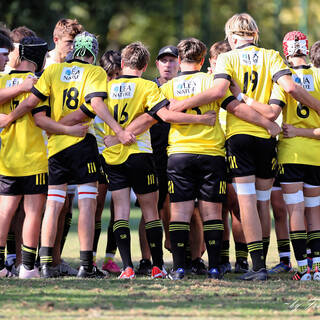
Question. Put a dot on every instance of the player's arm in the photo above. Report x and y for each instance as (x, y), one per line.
(25, 106)
(218, 91)
(290, 131)
(102, 111)
(270, 111)
(52, 127)
(7, 94)
(74, 117)
(298, 93)
(246, 113)
(137, 126)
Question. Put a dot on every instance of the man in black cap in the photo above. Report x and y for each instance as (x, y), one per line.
(168, 67)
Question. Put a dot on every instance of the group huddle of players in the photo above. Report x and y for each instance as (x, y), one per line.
(193, 146)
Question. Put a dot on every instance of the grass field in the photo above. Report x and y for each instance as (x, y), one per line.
(143, 298)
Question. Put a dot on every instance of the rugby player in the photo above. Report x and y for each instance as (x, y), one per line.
(254, 69)
(23, 162)
(71, 159)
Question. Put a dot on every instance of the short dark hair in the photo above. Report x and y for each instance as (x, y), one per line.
(111, 62)
(219, 47)
(19, 33)
(5, 40)
(191, 50)
(135, 56)
(315, 54)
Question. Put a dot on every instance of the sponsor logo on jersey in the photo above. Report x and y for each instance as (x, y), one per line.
(122, 90)
(185, 87)
(13, 82)
(251, 58)
(71, 74)
(306, 81)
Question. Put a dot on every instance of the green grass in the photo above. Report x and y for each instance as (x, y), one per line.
(143, 298)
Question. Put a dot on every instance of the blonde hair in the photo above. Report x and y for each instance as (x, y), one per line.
(242, 25)
(135, 56)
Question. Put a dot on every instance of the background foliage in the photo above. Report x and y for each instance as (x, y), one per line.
(158, 23)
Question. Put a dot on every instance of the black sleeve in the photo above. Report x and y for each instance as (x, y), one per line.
(222, 76)
(87, 112)
(281, 73)
(279, 103)
(157, 107)
(226, 101)
(47, 109)
(38, 94)
(89, 96)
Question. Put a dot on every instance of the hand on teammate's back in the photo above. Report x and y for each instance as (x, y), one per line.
(78, 130)
(288, 130)
(209, 118)
(274, 129)
(3, 120)
(126, 137)
(234, 88)
(28, 83)
(110, 140)
(176, 105)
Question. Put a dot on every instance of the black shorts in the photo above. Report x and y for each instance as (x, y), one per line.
(137, 172)
(196, 176)
(292, 172)
(14, 186)
(249, 155)
(77, 164)
(102, 176)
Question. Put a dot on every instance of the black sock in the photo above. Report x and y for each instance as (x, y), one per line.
(122, 235)
(255, 249)
(299, 244)
(97, 232)
(213, 231)
(66, 228)
(179, 236)
(86, 260)
(28, 256)
(284, 250)
(2, 257)
(241, 251)
(314, 244)
(266, 242)
(45, 254)
(224, 252)
(154, 236)
(111, 240)
(11, 243)
(188, 262)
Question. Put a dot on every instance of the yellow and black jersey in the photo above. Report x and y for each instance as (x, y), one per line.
(68, 85)
(254, 69)
(128, 98)
(194, 138)
(299, 150)
(23, 152)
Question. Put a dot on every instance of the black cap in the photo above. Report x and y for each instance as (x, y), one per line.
(168, 50)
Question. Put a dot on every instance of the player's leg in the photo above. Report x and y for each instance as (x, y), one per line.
(121, 229)
(196, 241)
(54, 204)
(263, 192)
(87, 203)
(109, 264)
(282, 231)
(33, 207)
(311, 191)
(8, 207)
(241, 249)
